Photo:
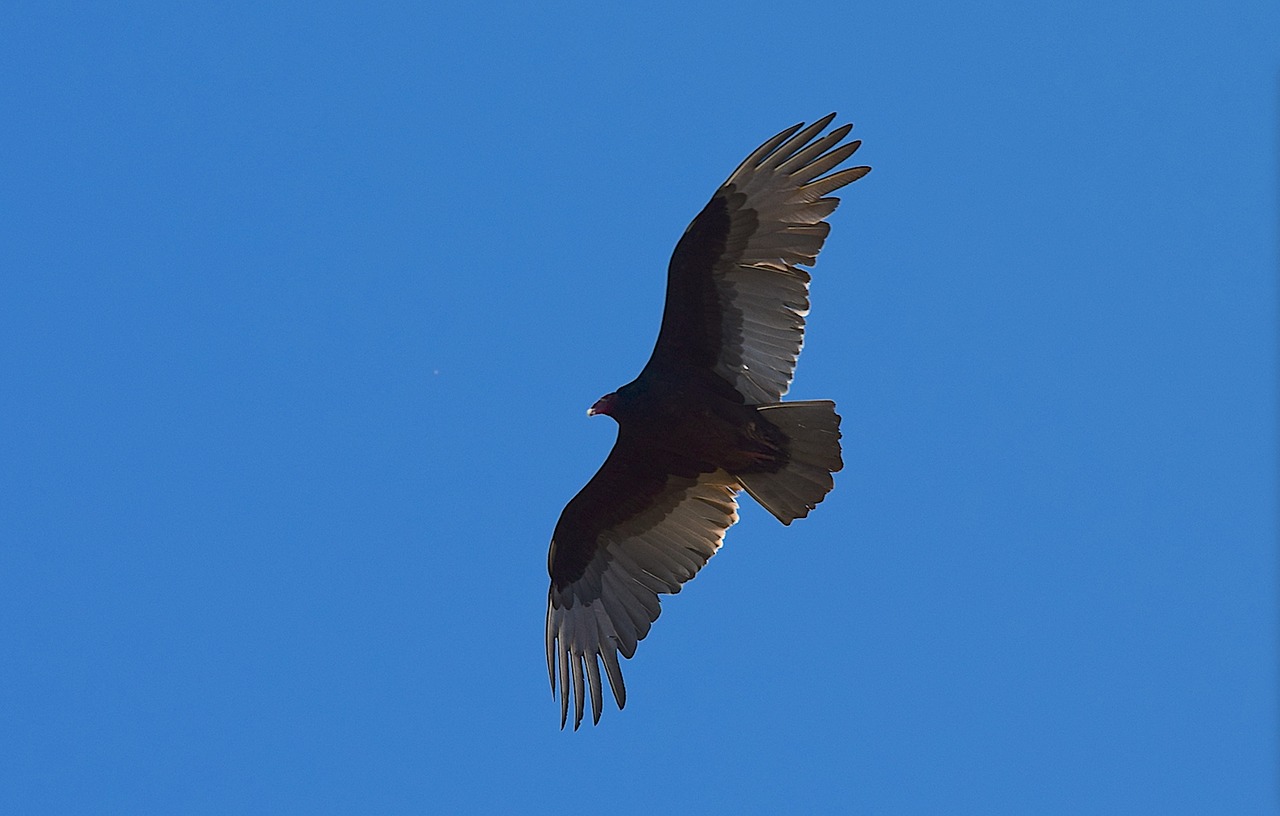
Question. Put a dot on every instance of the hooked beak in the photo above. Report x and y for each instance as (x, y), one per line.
(603, 405)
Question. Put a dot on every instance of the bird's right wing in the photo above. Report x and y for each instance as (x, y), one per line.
(736, 295)
(642, 526)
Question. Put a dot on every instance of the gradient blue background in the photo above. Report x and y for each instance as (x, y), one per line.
(301, 307)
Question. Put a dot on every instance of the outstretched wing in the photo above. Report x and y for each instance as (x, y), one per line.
(736, 297)
(642, 526)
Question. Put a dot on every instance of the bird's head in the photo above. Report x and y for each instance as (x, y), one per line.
(605, 405)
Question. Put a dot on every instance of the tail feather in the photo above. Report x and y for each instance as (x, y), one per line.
(813, 430)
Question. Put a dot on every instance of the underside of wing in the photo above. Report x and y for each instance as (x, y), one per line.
(736, 295)
(609, 566)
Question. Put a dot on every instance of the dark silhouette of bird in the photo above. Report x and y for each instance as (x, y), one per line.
(705, 418)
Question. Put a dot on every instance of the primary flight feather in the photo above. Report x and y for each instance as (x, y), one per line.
(704, 419)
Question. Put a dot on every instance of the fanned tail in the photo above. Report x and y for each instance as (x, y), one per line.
(813, 454)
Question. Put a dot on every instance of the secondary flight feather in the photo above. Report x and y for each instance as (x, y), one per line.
(705, 418)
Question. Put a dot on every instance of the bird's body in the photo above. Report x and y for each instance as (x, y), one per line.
(704, 419)
(695, 417)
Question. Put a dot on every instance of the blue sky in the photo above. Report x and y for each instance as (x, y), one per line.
(302, 307)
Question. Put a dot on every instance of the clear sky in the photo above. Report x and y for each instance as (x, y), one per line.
(302, 306)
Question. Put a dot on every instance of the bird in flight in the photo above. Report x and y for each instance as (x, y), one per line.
(705, 418)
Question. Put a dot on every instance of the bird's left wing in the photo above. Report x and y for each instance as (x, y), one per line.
(643, 525)
(736, 294)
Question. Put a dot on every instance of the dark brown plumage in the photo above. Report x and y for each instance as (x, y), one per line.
(704, 418)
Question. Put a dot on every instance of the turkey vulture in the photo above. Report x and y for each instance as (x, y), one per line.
(705, 418)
